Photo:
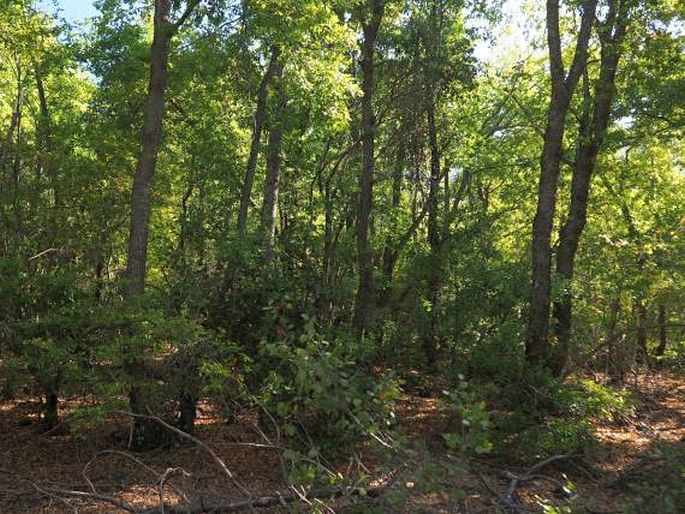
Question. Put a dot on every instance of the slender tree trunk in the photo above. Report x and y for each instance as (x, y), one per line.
(641, 332)
(258, 126)
(99, 276)
(141, 195)
(324, 300)
(389, 250)
(273, 170)
(147, 434)
(537, 348)
(563, 87)
(50, 411)
(47, 150)
(364, 305)
(590, 137)
(663, 340)
(16, 181)
(614, 357)
(14, 120)
(434, 240)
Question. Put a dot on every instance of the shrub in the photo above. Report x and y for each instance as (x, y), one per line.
(472, 419)
(325, 390)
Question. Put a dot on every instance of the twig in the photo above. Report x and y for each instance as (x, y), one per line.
(530, 475)
(372, 434)
(161, 483)
(507, 500)
(58, 498)
(50, 491)
(137, 461)
(544, 463)
(59, 426)
(40, 254)
(220, 463)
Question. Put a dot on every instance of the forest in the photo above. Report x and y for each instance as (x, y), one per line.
(356, 256)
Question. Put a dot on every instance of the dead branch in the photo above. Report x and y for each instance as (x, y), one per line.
(547, 461)
(220, 463)
(58, 492)
(58, 498)
(44, 252)
(529, 476)
(58, 428)
(140, 463)
(506, 500)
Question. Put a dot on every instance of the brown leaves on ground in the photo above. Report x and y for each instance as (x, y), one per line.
(635, 458)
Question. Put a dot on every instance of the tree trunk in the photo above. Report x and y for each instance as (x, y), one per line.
(563, 87)
(14, 120)
(50, 411)
(434, 240)
(663, 340)
(390, 247)
(259, 119)
(364, 305)
(141, 195)
(147, 433)
(47, 151)
(590, 139)
(16, 179)
(273, 171)
(615, 363)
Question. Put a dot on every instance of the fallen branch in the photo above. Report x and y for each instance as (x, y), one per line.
(509, 499)
(506, 500)
(161, 480)
(259, 502)
(220, 463)
(57, 429)
(529, 476)
(59, 492)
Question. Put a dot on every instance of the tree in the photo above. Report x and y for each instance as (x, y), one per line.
(273, 71)
(370, 15)
(141, 192)
(146, 431)
(591, 132)
(563, 86)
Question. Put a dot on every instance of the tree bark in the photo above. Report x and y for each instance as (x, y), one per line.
(365, 300)
(47, 150)
(14, 120)
(563, 87)
(590, 139)
(434, 240)
(146, 434)
(642, 356)
(663, 340)
(273, 170)
(390, 246)
(141, 195)
(257, 128)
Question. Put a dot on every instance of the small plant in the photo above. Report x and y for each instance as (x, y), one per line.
(590, 399)
(471, 416)
(322, 388)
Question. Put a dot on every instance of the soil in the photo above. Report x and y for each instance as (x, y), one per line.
(634, 469)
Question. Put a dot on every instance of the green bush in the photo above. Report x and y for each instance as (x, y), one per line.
(324, 389)
(472, 420)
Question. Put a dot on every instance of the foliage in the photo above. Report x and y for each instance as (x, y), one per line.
(457, 147)
(663, 491)
(472, 420)
(323, 391)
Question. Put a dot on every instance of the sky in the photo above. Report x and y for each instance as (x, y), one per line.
(510, 40)
(72, 10)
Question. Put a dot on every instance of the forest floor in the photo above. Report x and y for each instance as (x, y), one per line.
(634, 469)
